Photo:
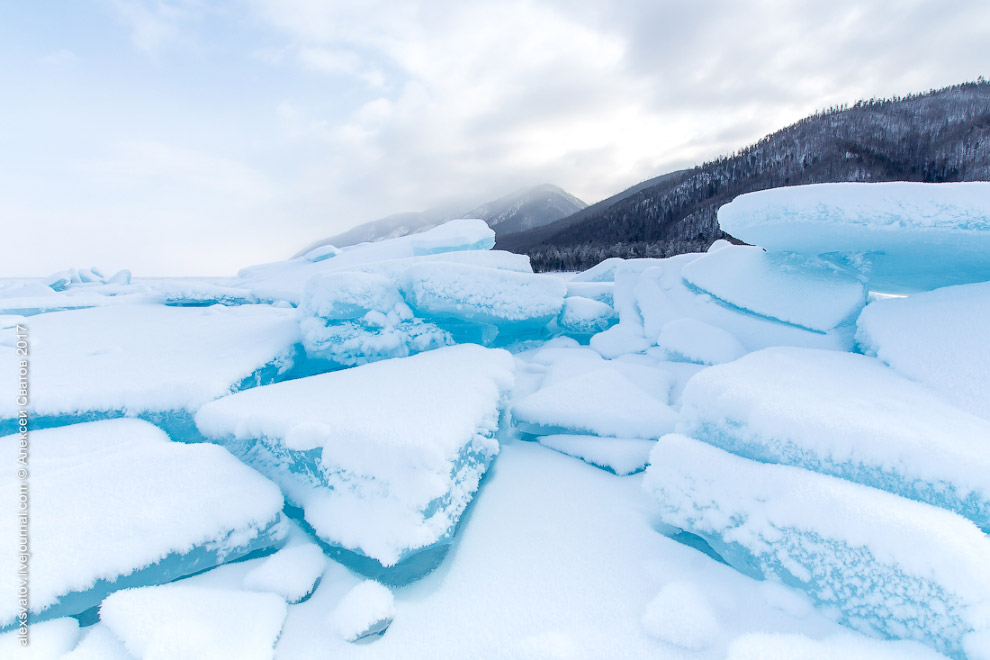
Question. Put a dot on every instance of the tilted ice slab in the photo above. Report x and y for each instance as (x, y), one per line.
(939, 338)
(584, 316)
(158, 362)
(691, 340)
(877, 562)
(452, 241)
(512, 302)
(598, 402)
(619, 455)
(195, 623)
(352, 318)
(116, 504)
(383, 458)
(808, 293)
(845, 415)
(904, 236)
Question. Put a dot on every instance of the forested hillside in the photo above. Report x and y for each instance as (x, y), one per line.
(940, 135)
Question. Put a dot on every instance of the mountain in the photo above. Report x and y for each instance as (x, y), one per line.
(525, 209)
(940, 135)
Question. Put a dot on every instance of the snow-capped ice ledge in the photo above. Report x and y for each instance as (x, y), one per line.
(381, 460)
(901, 236)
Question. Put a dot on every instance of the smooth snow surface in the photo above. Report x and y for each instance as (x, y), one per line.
(763, 646)
(878, 562)
(680, 615)
(939, 338)
(48, 640)
(117, 496)
(902, 236)
(195, 623)
(620, 455)
(845, 415)
(382, 474)
(692, 340)
(131, 359)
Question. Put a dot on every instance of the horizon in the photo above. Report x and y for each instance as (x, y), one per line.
(177, 139)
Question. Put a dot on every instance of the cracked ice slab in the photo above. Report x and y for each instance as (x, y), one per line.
(382, 458)
(116, 504)
(846, 415)
(880, 563)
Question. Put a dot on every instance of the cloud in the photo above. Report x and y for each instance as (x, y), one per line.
(155, 23)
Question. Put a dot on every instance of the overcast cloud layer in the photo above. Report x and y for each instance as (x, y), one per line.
(189, 137)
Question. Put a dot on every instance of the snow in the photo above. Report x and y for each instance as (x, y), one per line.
(681, 615)
(691, 340)
(903, 236)
(133, 359)
(478, 294)
(808, 293)
(98, 643)
(584, 316)
(600, 291)
(620, 455)
(599, 402)
(380, 475)
(128, 507)
(938, 338)
(367, 609)
(48, 640)
(192, 623)
(321, 253)
(845, 415)
(877, 562)
(765, 646)
(292, 572)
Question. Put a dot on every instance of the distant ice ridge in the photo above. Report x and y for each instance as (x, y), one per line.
(384, 458)
(848, 416)
(160, 363)
(940, 338)
(880, 563)
(115, 504)
(901, 236)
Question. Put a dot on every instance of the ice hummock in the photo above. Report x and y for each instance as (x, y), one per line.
(157, 362)
(806, 292)
(879, 563)
(195, 623)
(352, 318)
(365, 611)
(845, 415)
(116, 504)
(383, 458)
(939, 338)
(293, 572)
(902, 236)
(585, 316)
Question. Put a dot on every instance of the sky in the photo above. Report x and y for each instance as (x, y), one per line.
(196, 137)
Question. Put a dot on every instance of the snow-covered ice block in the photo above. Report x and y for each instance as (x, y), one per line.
(352, 318)
(157, 362)
(903, 236)
(600, 402)
(600, 291)
(115, 504)
(382, 458)
(365, 611)
(877, 562)
(98, 643)
(511, 301)
(293, 572)
(454, 235)
(681, 615)
(939, 338)
(584, 316)
(48, 640)
(620, 339)
(619, 455)
(806, 292)
(846, 415)
(768, 646)
(603, 272)
(195, 623)
(691, 340)
(321, 253)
